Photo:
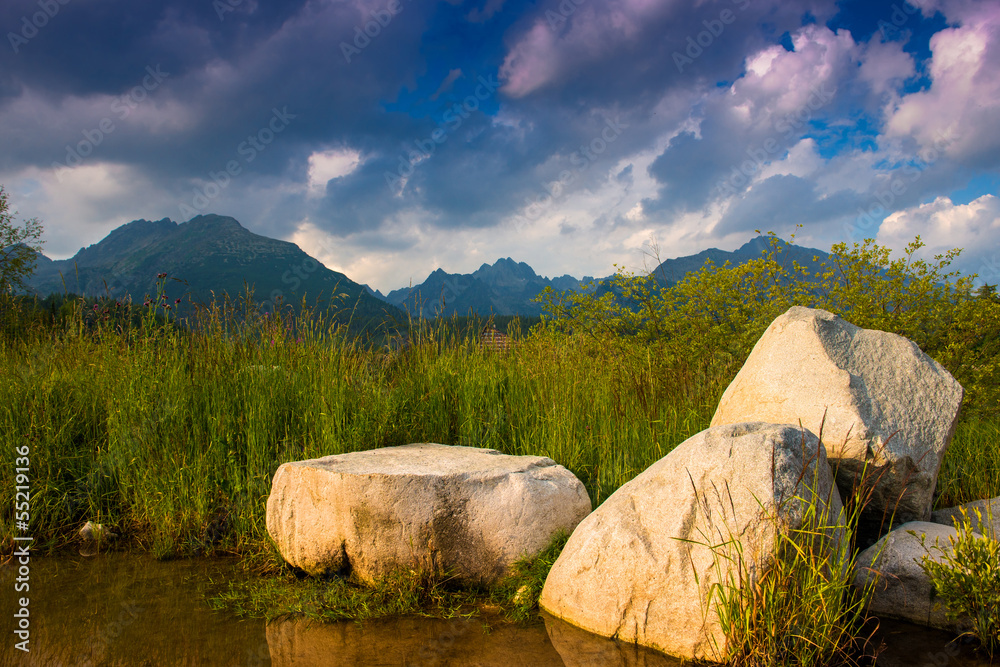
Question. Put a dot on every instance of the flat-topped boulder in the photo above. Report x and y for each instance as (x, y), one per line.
(885, 403)
(466, 511)
(640, 568)
(986, 522)
(901, 588)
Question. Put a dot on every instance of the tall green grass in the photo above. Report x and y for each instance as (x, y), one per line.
(172, 435)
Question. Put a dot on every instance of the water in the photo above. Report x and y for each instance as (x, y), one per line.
(119, 609)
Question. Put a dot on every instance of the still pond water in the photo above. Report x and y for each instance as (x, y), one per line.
(118, 609)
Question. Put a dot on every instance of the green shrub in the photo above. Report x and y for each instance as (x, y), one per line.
(718, 313)
(966, 580)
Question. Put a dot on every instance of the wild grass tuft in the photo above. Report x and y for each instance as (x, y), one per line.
(517, 594)
(801, 608)
(335, 598)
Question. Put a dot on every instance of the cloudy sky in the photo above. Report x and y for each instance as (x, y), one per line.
(388, 138)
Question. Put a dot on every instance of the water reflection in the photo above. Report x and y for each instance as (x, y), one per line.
(117, 609)
(410, 642)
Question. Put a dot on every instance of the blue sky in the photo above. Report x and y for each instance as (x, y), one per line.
(389, 138)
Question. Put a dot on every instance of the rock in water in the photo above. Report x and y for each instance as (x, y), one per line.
(885, 402)
(425, 507)
(92, 535)
(901, 588)
(639, 568)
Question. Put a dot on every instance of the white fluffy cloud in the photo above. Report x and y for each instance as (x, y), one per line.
(943, 225)
(962, 105)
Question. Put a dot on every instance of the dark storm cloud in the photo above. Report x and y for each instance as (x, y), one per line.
(567, 70)
(228, 73)
(93, 47)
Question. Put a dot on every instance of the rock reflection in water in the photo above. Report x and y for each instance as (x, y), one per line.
(908, 645)
(122, 609)
(409, 642)
(117, 609)
(579, 648)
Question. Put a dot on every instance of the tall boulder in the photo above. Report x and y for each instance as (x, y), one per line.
(465, 511)
(640, 568)
(884, 401)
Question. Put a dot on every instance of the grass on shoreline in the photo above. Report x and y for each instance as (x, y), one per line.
(171, 436)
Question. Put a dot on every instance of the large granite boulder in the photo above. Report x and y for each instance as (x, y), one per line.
(987, 522)
(433, 508)
(640, 568)
(901, 589)
(885, 402)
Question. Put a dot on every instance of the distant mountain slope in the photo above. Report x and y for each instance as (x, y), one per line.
(505, 288)
(671, 271)
(508, 287)
(213, 254)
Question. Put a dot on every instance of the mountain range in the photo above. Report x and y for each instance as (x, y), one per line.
(505, 288)
(214, 255)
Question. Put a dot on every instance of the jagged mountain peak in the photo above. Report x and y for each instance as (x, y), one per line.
(218, 222)
(212, 254)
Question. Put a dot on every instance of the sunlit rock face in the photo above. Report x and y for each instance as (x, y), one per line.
(879, 400)
(432, 508)
(641, 567)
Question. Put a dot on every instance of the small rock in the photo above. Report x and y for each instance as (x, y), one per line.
(523, 594)
(95, 532)
(93, 535)
(901, 588)
(989, 513)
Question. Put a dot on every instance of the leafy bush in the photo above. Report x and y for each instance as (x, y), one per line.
(716, 314)
(966, 581)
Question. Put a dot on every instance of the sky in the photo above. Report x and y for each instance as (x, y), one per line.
(389, 138)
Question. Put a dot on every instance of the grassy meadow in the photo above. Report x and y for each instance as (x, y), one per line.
(170, 435)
